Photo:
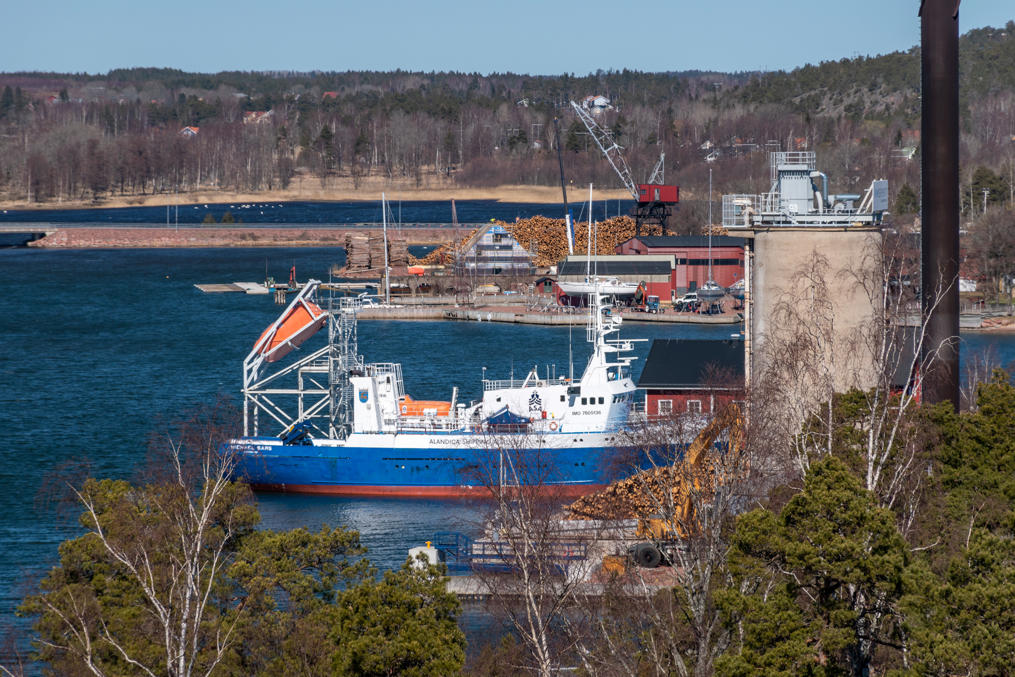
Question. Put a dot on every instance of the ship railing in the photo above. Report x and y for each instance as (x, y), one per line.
(425, 423)
(392, 368)
(506, 383)
(462, 554)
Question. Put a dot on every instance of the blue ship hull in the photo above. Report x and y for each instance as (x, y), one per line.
(424, 471)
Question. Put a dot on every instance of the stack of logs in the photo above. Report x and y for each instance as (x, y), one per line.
(643, 495)
(365, 251)
(548, 238)
(398, 251)
(357, 251)
(444, 254)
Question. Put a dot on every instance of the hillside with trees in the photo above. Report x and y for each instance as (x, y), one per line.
(145, 131)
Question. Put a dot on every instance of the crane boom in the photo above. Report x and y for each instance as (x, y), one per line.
(659, 172)
(611, 149)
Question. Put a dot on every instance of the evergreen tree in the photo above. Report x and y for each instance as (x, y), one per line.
(815, 588)
(906, 202)
(6, 101)
(573, 141)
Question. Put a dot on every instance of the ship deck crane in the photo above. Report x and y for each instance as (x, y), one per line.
(654, 201)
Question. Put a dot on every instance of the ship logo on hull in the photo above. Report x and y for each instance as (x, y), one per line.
(535, 404)
(362, 396)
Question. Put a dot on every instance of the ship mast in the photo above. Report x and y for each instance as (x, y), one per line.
(387, 275)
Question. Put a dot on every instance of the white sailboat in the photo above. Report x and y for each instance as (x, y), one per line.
(711, 290)
(610, 286)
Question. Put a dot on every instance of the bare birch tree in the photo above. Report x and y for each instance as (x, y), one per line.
(664, 621)
(532, 563)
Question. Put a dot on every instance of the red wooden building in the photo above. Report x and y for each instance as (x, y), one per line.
(685, 376)
(655, 271)
(691, 254)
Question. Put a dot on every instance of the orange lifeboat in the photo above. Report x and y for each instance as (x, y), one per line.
(300, 321)
(410, 407)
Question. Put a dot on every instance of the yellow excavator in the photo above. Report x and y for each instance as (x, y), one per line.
(663, 499)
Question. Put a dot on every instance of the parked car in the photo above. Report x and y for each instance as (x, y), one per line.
(687, 303)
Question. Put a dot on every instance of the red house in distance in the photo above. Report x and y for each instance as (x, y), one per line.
(692, 376)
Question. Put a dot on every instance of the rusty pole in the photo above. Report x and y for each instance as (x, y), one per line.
(939, 61)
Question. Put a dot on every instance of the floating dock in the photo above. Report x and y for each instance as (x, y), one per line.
(245, 287)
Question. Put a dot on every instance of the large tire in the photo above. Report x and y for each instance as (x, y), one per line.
(647, 555)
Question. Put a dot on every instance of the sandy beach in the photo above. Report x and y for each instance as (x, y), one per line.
(338, 189)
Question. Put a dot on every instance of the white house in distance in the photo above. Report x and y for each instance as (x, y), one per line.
(596, 103)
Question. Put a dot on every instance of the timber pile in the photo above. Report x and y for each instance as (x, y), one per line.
(357, 251)
(398, 251)
(443, 254)
(714, 229)
(639, 496)
(377, 252)
(366, 252)
(548, 238)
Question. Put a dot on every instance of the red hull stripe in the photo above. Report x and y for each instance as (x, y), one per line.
(562, 490)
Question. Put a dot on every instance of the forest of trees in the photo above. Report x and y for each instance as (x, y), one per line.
(87, 137)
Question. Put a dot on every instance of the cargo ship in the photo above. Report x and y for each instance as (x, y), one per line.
(331, 423)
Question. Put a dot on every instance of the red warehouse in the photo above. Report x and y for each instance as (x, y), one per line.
(655, 271)
(691, 254)
(684, 376)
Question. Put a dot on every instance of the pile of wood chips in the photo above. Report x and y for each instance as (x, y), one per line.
(548, 239)
(638, 496)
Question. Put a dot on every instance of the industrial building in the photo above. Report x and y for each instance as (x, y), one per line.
(691, 258)
(656, 271)
(812, 260)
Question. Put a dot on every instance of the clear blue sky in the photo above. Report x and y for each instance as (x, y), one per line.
(523, 36)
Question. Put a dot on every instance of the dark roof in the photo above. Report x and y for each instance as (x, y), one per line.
(687, 363)
(689, 240)
(616, 268)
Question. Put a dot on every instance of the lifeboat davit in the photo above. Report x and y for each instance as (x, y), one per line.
(299, 322)
(410, 407)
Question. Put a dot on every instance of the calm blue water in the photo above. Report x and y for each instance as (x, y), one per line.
(321, 213)
(97, 345)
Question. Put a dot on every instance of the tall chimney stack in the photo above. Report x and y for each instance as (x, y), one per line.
(939, 61)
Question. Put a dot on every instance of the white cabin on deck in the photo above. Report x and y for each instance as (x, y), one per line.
(600, 400)
(369, 400)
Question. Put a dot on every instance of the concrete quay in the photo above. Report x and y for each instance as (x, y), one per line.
(522, 315)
